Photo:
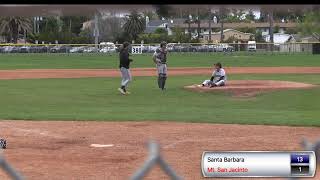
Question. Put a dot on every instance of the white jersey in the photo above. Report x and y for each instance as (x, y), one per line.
(217, 74)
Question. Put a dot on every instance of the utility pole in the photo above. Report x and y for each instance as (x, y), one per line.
(96, 31)
(34, 25)
(189, 26)
(210, 29)
(271, 28)
(198, 21)
(222, 14)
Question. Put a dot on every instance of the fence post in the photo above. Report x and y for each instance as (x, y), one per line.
(153, 159)
(310, 147)
(9, 169)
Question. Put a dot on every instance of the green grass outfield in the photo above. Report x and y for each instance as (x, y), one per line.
(84, 61)
(98, 99)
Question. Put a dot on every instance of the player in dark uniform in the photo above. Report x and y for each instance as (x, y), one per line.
(160, 59)
(124, 68)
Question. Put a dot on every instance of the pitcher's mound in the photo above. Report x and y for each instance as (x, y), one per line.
(250, 88)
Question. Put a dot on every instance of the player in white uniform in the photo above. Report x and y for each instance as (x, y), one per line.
(218, 78)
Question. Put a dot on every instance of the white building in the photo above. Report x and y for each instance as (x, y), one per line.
(278, 38)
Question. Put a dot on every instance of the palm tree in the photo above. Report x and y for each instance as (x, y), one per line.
(198, 22)
(271, 28)
(222, 14)
(134, 25)
(12, 26)
(210, 29)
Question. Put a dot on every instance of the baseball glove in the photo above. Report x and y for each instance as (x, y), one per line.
(3, 143)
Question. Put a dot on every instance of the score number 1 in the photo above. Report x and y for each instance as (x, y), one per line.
(299, 164)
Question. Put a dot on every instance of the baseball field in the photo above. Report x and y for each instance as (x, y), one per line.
(54, 106)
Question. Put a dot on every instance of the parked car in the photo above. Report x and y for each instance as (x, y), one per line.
(252, 46)
(107, 50)
(212, 48)
(90, 49)
(7, 49)
(184, 48)
(38, 49)
(65, 49)
(77, 49)
(224, 48)
(170, 46)
(145, 49)
(54, 49)
(11, 49)
(204, 48)
(34, 49)
(43, 49)
(60, 49)
(107, 47)
(24, 49)
(149, 49)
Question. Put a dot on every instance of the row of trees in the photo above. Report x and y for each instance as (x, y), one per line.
(67, 29)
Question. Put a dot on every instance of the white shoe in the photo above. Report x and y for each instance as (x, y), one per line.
(121, 91)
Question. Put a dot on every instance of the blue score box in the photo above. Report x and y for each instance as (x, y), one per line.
(299, 159)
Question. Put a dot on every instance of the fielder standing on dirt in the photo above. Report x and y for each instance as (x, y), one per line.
(160, 59)
(124, 68)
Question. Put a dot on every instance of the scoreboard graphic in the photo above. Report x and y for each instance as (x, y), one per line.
(258, 164)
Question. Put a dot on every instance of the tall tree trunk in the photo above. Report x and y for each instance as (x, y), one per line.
(222, 13)
(25, 36)
(15, 35)
(15, 32)
(189, 29)
(271, 28)
(198, 21)
(96, 31)
(210, 17)
(199, 29)
(34, 25)
(70, 24)
(221, 29)
(38, 26)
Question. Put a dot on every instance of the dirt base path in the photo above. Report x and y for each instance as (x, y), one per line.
(61, 149)
(80, 73)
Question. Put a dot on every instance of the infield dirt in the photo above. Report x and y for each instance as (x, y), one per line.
(80, 73)
(61, 149)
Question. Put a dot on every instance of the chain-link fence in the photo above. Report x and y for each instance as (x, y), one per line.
(153, 159)
(175, 48)
(12, 173)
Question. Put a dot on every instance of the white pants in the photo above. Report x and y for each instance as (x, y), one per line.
(218, 83)
(126, 76)
(162, 69)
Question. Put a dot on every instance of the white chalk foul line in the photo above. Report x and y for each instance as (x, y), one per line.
(101, 145)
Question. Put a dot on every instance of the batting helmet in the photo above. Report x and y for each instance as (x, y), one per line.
(163, 43)
(218, 64)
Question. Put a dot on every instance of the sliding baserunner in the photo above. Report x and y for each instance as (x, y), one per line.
(218, 78)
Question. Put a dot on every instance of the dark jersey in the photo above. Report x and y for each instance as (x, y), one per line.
(124, 59)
